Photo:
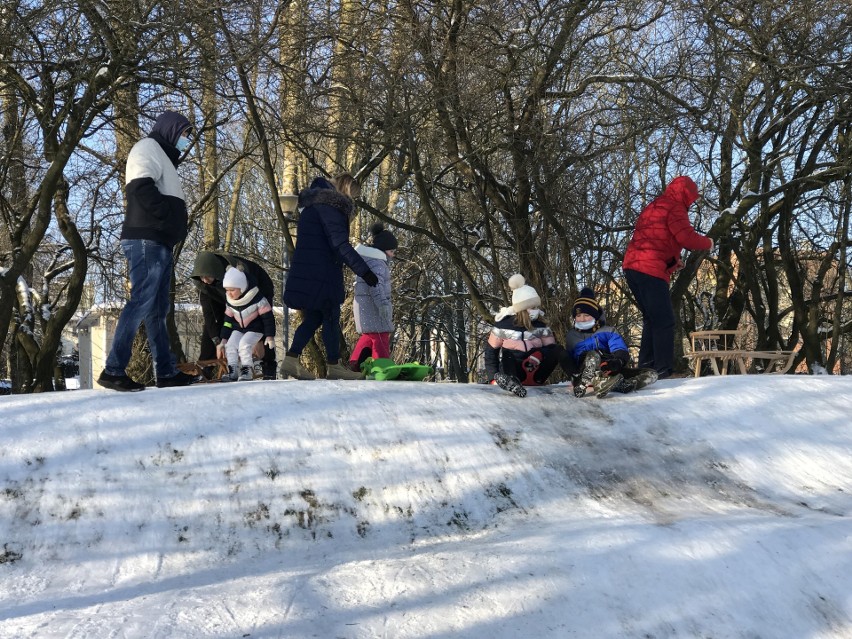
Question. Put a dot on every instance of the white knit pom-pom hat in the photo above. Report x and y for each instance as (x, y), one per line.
(524, 297)
(235, 278)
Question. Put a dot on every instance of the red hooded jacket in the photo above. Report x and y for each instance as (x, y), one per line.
(663, 230)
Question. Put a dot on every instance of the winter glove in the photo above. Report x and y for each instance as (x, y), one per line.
(371, 278)
(611, 366)
(269, 342)
(386, 314)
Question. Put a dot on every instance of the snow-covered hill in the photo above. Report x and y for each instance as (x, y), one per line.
(718, 507)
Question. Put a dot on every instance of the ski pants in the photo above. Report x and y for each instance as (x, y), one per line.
(239, 347)
(656, 350)
(373, 345)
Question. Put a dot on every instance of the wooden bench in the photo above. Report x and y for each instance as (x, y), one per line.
(723, 349)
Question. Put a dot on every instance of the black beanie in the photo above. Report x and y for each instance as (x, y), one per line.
(587, 303)
(382, 239)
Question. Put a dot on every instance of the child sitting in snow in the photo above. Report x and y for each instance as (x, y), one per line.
(520, 342)
(372, 304)
(596, 355)
(248, 319)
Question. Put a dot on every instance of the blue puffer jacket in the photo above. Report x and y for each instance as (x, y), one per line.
(605, 339)
(315, 280)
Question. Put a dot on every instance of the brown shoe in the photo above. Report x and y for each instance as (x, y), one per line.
(339, 371)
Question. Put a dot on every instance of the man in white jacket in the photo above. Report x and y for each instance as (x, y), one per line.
(155, 221)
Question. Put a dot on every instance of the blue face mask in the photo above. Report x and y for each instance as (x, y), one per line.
(182, 143)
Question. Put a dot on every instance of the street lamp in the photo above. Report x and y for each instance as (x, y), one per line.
(289, 203)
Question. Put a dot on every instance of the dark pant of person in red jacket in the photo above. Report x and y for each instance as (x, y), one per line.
(656, 350)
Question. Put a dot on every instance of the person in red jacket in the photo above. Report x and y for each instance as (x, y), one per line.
(662, 231)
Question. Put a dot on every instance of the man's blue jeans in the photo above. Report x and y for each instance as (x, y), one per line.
(150, 266)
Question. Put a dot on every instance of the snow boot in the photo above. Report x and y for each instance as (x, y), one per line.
(646, 377)
(509, 383)
(292, 367)
(341, 371)
(591, 367)
(625, 386)
(603, 384)
(246, 374)
(231, 375)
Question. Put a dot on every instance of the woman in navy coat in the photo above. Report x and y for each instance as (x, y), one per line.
(315, 281)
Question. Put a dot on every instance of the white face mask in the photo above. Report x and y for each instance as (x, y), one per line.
(182, 143)
(584, 326)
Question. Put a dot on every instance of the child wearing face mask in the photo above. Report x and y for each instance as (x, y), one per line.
(521, 349)
(596, 354)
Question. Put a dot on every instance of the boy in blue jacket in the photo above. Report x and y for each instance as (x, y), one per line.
(596, 355)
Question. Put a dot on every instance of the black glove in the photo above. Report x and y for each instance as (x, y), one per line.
(371, 278)
(612, 366)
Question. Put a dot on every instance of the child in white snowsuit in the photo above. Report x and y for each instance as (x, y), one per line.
(248, 319)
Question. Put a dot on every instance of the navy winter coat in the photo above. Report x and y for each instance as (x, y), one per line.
(315, 280)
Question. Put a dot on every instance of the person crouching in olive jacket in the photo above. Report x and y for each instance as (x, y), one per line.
(208, 272)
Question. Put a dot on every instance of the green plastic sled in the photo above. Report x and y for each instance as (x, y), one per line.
(383, 369)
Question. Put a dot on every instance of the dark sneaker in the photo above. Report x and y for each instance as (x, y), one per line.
(625, 386)
(119, 383)
(231, 375)
(646, 377)
(510, 384)
(181, 379)
(604, 384)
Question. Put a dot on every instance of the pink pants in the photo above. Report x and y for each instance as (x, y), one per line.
(377, 343)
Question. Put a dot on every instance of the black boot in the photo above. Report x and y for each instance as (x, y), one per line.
(509, 383)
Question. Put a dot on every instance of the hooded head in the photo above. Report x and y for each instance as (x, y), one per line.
(682, 189)
(524, 297)
(208, 264)
(235, 278)
(170, 126)
(382, 239)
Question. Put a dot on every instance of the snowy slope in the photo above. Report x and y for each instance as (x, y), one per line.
(717, 507)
